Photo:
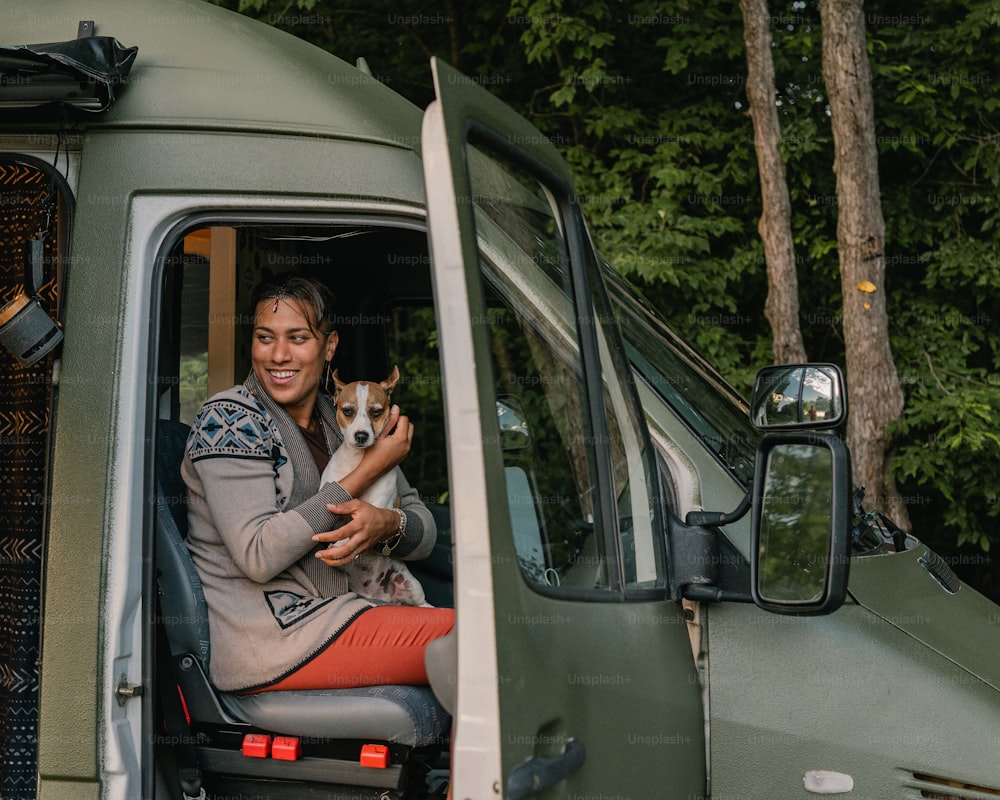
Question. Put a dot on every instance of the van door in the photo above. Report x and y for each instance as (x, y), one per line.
(575, 674)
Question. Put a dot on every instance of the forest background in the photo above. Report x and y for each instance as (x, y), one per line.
(647, 102)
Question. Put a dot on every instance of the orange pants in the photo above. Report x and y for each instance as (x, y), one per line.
(385, 645)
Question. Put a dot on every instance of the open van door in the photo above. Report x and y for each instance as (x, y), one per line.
(574, 672)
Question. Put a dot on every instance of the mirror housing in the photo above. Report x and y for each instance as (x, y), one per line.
(800, 510)
(795, 396)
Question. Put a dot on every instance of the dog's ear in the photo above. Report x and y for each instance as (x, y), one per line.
(390, 383)
(338, 384)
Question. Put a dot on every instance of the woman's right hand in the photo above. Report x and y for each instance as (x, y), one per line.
(396, 438)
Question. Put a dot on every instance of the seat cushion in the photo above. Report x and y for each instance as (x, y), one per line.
(408, 715)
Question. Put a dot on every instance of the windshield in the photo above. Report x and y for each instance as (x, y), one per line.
(705, 403)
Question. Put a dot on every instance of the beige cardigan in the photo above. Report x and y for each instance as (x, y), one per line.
(254, 505)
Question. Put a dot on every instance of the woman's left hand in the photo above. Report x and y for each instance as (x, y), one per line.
(368, 525)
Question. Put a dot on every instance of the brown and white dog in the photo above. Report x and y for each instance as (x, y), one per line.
(362, 411)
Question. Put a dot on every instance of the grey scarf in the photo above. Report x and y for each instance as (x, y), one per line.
(329, 581)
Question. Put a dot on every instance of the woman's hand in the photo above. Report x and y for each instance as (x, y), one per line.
(388, 452)
(368, 525)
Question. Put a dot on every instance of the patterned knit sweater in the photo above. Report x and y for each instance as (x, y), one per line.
(254, 505)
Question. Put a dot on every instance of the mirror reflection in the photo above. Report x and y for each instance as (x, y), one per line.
(514, 433)
(795, 396)
(795, 524)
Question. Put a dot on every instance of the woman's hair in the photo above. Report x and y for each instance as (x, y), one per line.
(315, 296)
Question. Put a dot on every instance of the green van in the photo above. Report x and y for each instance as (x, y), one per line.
(659, 591)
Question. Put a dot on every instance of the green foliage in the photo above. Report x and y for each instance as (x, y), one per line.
(948, 356)
(936, 91)
(413, 347)
(193, 389)
(658, 180)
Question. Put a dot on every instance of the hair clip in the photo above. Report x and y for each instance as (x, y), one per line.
(274, 308)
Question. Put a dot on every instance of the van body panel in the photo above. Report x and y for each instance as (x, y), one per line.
(850, 693)
(69, 790)
(122, 162)
(963, 626)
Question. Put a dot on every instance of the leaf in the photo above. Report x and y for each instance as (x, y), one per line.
(563, 96)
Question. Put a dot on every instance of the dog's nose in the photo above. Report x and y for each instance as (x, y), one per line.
(361, 438)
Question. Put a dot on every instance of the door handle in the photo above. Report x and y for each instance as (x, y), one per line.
(536, 774)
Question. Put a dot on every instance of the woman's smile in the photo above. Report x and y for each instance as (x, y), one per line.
(282, 376)
(289, 354)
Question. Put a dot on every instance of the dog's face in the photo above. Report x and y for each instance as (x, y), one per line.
(363, 408)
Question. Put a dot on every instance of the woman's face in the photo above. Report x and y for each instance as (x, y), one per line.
(288, 355)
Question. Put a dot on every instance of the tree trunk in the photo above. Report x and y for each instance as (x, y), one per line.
(775, 225)
(876, 399)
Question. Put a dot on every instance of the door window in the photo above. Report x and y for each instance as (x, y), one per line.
(557, 435)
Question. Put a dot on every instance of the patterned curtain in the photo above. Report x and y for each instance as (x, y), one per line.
(25, 399)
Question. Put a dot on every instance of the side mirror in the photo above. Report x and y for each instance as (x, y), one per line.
(801, 516)
(798, 396)
(514, 431)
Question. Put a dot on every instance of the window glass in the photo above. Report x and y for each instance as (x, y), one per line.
(544, 413)
(710, 409)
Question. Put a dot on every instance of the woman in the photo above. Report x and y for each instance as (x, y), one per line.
(262, 528)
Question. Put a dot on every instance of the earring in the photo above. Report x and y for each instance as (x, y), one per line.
(326, 377)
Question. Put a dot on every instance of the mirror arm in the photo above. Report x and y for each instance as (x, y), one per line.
(718, 517)
(714, 594)
(704, 565)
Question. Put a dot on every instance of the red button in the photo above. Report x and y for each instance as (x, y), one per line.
(286, 748)
(257, 745)
(375, 755)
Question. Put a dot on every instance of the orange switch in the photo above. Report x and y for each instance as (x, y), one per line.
(286, 748)
(375, 755)
(257, 745)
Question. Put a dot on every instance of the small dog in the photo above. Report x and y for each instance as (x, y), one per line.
(362, 411)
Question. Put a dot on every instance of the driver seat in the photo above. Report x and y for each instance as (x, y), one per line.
(336, 724)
